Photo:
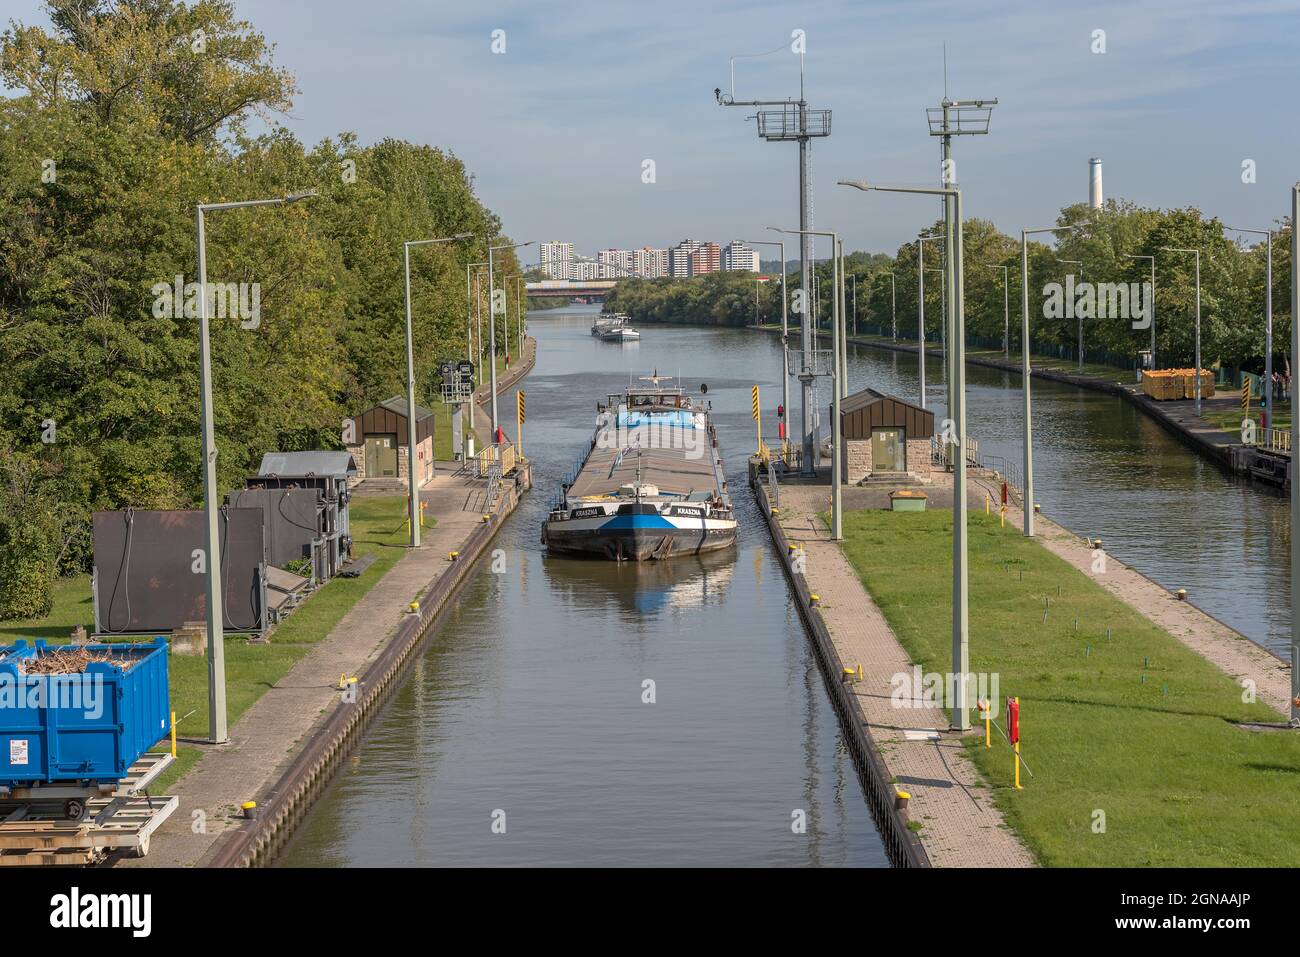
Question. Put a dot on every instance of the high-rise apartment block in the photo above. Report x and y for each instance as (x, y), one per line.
(739, 257)
(557, 260)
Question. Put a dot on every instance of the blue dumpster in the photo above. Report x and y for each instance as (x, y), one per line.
(87, 727)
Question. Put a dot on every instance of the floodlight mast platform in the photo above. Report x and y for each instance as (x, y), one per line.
(954, 118)
(793, 122)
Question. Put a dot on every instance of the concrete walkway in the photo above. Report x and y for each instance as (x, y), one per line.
(961, 828)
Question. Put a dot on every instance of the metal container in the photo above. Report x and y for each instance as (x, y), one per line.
(298, 523)
(85, 728)
(150, 570)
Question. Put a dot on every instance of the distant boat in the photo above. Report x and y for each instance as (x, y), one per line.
(615, 328)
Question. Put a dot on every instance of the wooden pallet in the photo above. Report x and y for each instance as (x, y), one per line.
(58, 857)
(119, 823)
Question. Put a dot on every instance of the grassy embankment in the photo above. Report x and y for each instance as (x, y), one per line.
(1136, 726)
(1230, 419)
(378, 525)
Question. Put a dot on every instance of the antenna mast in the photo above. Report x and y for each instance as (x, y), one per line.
(792, 121)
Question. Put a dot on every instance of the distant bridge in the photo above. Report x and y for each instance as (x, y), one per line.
(570, 288)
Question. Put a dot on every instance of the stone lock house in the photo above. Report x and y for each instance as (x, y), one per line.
(884, 438)
(380, 444)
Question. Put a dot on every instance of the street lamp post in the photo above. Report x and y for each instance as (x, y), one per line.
(843, 312)
(492, 326)
(1267, 392)
(412, 476)
(218, 732)
(854, 280)
(478, 308)
(1197, 253)
(785, 330)
(1295, 444)
(519, 282)
(1006, 311)
(957, 415)
(1076, 262)
(893, 307)
(1151, 305)
(1028, 503)
(837, 502)
(920, 309)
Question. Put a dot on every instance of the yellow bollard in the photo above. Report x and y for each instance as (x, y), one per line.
(986, 503)
(859, 672)
(173, 734)
(1004, 516)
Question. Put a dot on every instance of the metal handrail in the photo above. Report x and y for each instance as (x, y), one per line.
(1274, 440)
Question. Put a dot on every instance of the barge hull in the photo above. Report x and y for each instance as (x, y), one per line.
(638, 544)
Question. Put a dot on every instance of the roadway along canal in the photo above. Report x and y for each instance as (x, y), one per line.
(529, 700)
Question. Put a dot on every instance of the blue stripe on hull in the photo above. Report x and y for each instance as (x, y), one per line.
(643, 522)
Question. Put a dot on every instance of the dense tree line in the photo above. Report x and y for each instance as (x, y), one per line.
(124, 115)
(1232, 287)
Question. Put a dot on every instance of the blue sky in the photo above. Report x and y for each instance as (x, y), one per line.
(556, 128)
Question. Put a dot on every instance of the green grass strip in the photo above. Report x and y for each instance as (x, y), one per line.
(1137, 726)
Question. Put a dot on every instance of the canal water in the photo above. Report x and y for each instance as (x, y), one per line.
(530, 700)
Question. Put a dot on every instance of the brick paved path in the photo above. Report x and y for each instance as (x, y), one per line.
(962, 828)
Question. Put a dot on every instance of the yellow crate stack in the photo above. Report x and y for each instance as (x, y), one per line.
(1165, 384)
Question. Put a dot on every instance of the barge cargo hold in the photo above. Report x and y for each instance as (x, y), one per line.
(651, 484)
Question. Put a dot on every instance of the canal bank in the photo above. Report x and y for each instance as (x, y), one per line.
(284, 748)
(926, 795)
(1113, 709)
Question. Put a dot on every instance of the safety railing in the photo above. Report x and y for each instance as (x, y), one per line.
(502, 456)
(1274, 440)
(941, 451)
(786, 455)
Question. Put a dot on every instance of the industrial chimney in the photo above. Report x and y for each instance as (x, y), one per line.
(1094, 182)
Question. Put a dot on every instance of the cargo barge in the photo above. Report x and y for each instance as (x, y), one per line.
(651, 484)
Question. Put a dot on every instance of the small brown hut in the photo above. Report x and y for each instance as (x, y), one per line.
(884, 436)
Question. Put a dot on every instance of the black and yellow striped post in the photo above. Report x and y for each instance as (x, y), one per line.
(758, 421)
(1245, 395)
(519, 431)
